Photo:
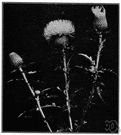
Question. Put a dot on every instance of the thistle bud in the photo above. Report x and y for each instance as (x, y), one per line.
(100, 21)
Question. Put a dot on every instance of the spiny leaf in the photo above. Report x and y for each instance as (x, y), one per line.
(12, 80)
(81, 67)
(68, 63)
(109, 70)
(99, 93)
(52, 96)
(87, 57)
(46, 106)
(45, 90)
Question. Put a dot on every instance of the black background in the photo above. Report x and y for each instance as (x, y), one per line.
(23, 25)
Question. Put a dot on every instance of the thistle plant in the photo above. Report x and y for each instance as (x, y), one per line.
(63, 30)
(100, 24)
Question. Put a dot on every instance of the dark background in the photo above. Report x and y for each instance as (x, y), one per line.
(23, 25)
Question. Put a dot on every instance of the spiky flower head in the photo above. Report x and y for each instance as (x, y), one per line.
(58, 27)
(100, 21)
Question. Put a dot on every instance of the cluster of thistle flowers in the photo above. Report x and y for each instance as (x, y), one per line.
(66, 27)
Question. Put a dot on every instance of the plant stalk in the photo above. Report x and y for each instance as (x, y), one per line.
(99, 51)
(36, 98)
(41, 111)
(95, 81)
(67, 88)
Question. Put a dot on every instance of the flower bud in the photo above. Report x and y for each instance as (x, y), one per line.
(100, 21)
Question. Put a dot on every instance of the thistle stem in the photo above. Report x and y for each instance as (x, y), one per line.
(67, 88)
(95, 81)
(99, 51)
(42, 113)
(37, 99)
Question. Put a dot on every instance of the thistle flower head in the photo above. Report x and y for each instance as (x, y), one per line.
(58, 27)
(100, 21)
(98, 11)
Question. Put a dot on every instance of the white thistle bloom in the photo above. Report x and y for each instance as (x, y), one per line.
(100, 21)
(58, 27)
(99, 11)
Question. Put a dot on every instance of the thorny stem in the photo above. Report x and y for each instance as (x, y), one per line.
(86, 108)
(36, 98)
(67, 88)
(41, 111)
(99, 51)
(94, 82)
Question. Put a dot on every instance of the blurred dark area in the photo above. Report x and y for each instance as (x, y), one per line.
(23, 27)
